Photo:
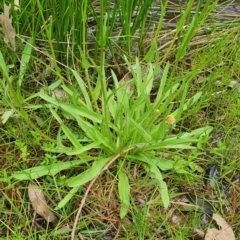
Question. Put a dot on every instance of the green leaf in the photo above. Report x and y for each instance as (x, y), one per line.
(149, 57)
(71, 137)
(83, 89)
(155, 174)
(54, 85)
(182, 141)
(47, 98)
(3, 67)
(111, 104)
(123, 97)
(89, 174)
(81, 111)
(139, 130)
(195, 167)
(163, 164)
(148, 82)
(124, 192)
(162, 185)
(67, 198)
(93, 133)
(83, 148)
(187, 38)
(26, 55)
(137, 73)
(173, 143)
(73, 109)
(184, 106)
(85, 62)
(162, 87)
(53, 169)
(74, 96)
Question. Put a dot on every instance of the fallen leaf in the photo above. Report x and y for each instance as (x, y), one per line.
(198, 234)
(39, 203)
(8, 29)
(224, 233)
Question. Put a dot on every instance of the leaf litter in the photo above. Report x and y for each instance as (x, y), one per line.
(39, 203)
(224, 233)
(9, 31)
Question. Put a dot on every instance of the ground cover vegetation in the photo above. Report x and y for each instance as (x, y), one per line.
(119, 119)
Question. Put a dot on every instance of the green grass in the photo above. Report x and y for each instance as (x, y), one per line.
(116, 126)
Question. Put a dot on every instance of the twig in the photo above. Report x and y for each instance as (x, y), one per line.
(89, 187)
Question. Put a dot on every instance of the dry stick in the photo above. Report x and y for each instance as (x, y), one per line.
(89, 187)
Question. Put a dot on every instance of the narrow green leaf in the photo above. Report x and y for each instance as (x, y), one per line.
(111, 104)
(3, 66)
(26, 55)
(83, 89)
(155, 174)
(81, 111)
(170, 91)
(68, 133)
(148, 79)
(139, 130)
(123, 97)
(47, 98)
(72, 94)
(67, 198)
(179, 111)
(163, 164)
(149, 57)
(124, 192)
(92, 132)
(71, 137)
(54, 85)
(162, 87)
(89, 174)
(85, 62)
(73, 109)
(172, 144)
(83, 149)
(53, 169)
(162, 185)
(137, 73)
(182, 141)
(187, 38)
